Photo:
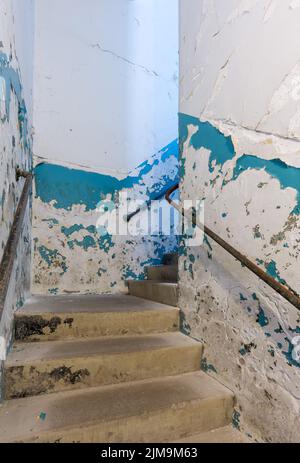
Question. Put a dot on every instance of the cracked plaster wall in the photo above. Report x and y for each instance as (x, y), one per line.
(239, 137)
(106, 81)
(16, 52)
(105, 102)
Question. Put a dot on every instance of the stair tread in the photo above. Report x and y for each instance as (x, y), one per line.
(26, 353)
(225, 435)
(88, 303)
(66, 410)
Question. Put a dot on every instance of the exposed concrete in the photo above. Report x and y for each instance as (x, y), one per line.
(38, 368)
(76, 303)
(61, 317)
(164, 292)
(156, 410)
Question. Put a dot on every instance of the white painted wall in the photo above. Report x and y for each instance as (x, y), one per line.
(106, 81)
(241, 63)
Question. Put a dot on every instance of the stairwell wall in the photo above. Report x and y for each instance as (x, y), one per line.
(240, 154)
(105, 117)
(16, 67)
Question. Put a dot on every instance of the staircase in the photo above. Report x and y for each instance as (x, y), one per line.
(161, 284)
(110, 369)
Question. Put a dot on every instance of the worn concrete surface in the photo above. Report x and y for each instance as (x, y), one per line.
(156, 410)
(226, 435)
(163, 292)
(77, 303)
(61, 317)
(38, 368)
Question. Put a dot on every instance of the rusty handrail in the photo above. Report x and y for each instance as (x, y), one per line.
(146, 204)
(286, 292)
(10, 250)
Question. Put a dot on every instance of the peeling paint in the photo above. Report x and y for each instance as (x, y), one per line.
(66, 210)
(239, 153)
(15, 149)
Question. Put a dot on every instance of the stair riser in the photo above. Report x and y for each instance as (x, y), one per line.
(69, 374)
(159, 426)
(158, 293)
(170, 259)
(166, 273)
(53, 326)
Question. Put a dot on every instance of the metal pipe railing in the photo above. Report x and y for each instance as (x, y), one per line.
(159, 196)
(10, 250)
(286, 292)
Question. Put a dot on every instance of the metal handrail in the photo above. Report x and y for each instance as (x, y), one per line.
(11, 247)
(160, 195)
(286, 292)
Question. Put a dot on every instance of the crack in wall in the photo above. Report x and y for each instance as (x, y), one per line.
(126, 60)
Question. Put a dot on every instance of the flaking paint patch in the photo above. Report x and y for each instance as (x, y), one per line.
(71, 250)
(259, 188)
(232, 166)
(65, 187)
(15, 148)
(268, 187)
(207, 367)
(288, 176)
(12, 80)
(208, 137)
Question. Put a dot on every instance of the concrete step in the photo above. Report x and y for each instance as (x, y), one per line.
(163, 292)
(163, 273)
(38, 368)
(45, 318)
(156, 410)
(170, 259)
(225, 435)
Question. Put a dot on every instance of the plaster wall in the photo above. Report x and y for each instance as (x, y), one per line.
(16, 45)
(77, 247)
(240, 153)
(106, 122)
(106, 81)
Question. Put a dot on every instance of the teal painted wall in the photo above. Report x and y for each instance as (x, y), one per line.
(72, 253)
